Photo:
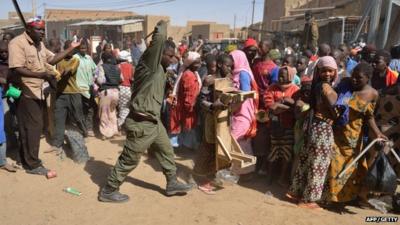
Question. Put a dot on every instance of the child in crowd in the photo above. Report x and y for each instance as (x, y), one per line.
(301, 66)
(205, 167)
(290, 60)
(3, 79)
(302, 112)
(280, 103)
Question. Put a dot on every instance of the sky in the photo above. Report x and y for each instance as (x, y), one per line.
(221, 11)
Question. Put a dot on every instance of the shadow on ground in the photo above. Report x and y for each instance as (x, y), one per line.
(99, 170)
(183, 172)
(120, 143)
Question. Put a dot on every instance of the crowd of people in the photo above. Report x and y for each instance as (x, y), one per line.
(313, 114)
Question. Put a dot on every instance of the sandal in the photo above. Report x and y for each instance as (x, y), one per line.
(9, 168)
(310, 205)
(207, 188)
(292, 198)
(53, 149)
(17, 166)
(38, 171)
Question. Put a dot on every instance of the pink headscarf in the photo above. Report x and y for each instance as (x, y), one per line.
(240, 63)
(244, 124)
(327, 61)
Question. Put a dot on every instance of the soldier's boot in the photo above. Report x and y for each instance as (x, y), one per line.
(110, 194)
(176, 187)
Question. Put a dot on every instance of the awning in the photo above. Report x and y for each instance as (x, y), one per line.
(128, 26)
(12, 27)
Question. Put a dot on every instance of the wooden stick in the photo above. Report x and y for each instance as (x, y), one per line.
(20, 15)
(359, 156)
(224, 149)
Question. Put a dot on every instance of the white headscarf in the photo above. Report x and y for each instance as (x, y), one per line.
(191, 58)
(125, 55)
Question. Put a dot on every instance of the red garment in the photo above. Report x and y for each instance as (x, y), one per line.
(314, 58)
(126, 70)
(391, 77)
(182, 49)
(262, 71)
(183, 115)
(250, 42)
(275, 94)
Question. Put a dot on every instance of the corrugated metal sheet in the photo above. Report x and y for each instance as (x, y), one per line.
(76, 14)
(107, 22)
(132, 27)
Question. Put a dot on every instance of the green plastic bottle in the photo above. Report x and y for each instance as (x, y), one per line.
(72, 191)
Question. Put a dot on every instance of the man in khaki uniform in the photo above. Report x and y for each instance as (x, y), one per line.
(30, 62)
(310, 34)
(144, 127)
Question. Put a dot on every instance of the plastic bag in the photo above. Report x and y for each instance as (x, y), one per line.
(396, 203)
(227, 175)
(383, 203)
(77, 144)
(381, 177)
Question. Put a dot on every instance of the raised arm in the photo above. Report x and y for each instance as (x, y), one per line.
(152, 56)
(58, 57)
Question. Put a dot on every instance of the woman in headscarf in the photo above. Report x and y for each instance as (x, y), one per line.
(127, 71)
(108, 78)
(314, 159)
(183, 112)
(279, 101)
(244, 124)
(356, 105)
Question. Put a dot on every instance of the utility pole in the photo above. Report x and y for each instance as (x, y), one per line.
(252, 14)
(34, 8)
(234, 25)
(374, 21)
(44, 15)
(247, 28)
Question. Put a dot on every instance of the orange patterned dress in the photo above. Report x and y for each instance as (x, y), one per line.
(348, 144)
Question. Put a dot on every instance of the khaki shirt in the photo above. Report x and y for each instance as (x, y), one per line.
(150, 79)
(23, 53)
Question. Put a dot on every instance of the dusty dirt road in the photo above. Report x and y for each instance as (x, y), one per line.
(34, 200)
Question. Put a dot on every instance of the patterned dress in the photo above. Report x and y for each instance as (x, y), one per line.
(124, 92)
(309, 179)
(348, 144)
